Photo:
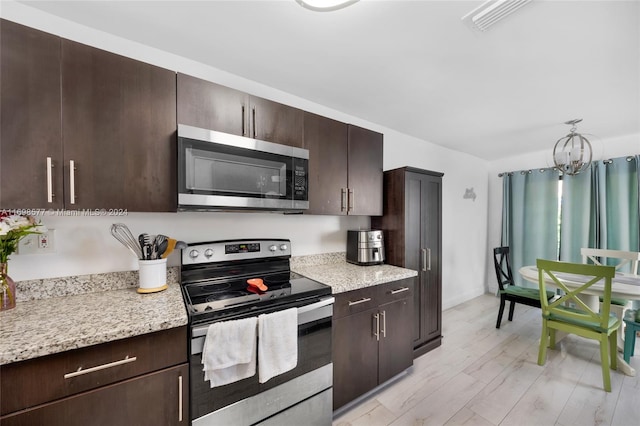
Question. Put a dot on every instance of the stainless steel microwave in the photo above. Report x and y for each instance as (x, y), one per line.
(220, 171)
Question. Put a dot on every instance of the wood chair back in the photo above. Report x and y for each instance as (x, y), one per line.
(502, 265)
(625, 257)
(590, 275)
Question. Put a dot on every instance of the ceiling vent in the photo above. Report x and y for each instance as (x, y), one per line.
(488, 13)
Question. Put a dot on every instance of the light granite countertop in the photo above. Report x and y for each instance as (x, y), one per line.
(57, 315)
(52, 324)
(333, 270)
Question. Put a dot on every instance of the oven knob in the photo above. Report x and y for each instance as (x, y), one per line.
(193, 254)
(273, 248)
(283, 247)
(208, 253)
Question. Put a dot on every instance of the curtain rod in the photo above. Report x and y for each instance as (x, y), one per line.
(629, 158)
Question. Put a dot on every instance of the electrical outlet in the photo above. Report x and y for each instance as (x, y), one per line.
(38, 243)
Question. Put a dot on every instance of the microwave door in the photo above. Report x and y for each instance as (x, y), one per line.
(220, 175)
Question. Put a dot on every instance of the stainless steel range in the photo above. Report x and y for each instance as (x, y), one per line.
(238, 279)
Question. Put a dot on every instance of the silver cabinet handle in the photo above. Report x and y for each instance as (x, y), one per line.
(343, 199)
(244, 122)
(429, 264)
(357, 302)
(80, 371)
(384, 323)
(424, 259)
(179, 398)
(352, 203)
(253, 115)
(50, 194)
(399, 290)
(377, 327)
(72, 182)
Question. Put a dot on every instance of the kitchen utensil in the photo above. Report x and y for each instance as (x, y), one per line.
(171, 244)
(145, 244)
(121, 232)
(161, 243)
(181, 245)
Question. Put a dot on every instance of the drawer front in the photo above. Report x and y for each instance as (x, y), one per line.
(396, 290)
(28, 383)
(356, 301)
(156, 399)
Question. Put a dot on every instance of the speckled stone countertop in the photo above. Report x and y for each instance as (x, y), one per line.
(95, 309)
(332, 269)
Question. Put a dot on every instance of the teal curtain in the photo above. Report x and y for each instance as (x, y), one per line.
(531, 204)
(618, 206)
(578, 214)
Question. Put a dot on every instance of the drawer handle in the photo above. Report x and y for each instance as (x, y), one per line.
(357, 302)
(179, 398)
(399, 290)
(80, 371)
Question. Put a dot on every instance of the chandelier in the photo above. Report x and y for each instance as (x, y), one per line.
(572, 153)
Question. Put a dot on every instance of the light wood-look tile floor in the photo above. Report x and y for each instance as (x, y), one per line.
(485, 376)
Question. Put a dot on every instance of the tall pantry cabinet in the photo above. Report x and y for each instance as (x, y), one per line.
(412, 223)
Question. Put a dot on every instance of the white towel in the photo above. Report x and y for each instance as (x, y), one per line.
(277, 343)
(229, 352)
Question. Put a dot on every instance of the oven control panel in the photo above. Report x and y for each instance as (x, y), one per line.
(220, 251)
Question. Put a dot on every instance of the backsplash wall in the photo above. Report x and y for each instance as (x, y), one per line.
(84, 244)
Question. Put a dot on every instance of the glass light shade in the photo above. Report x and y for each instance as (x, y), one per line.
(325, 5)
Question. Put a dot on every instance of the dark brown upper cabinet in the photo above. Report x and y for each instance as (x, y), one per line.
(345, 167)
(212, 106)
(30, 129)
(83, 128)
(119, 122)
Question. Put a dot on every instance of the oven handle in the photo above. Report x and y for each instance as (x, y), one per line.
(202, 330)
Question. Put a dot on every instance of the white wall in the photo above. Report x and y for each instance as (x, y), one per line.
(84, 245)
(603, 149)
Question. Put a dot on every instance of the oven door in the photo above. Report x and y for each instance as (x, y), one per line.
(307, 387)
(219, 170)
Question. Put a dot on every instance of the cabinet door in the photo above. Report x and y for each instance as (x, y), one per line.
(431, 276)
(355, 357)
(30, 129)
(160, 398)
(119, 126)
(326, 141)
(365, 172)
(414, 244)
(275, 122)
(396, 338)
(211, 106)
(423, 240)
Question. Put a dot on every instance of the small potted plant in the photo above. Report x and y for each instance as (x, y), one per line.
(13, 228)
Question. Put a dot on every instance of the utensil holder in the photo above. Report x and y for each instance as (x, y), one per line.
(153, 275)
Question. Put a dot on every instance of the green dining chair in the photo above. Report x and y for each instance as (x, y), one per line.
(570, 314)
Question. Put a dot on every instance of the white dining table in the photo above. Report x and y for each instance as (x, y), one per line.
(623, 286)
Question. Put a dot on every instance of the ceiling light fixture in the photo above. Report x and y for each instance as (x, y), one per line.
(491, 12)
(325, 5)
(572, 153)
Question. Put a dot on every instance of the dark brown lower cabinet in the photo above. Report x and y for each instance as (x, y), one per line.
(372, 338)
(141, 380)
(160, 398)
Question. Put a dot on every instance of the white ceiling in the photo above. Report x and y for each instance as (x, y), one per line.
(413, 66)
